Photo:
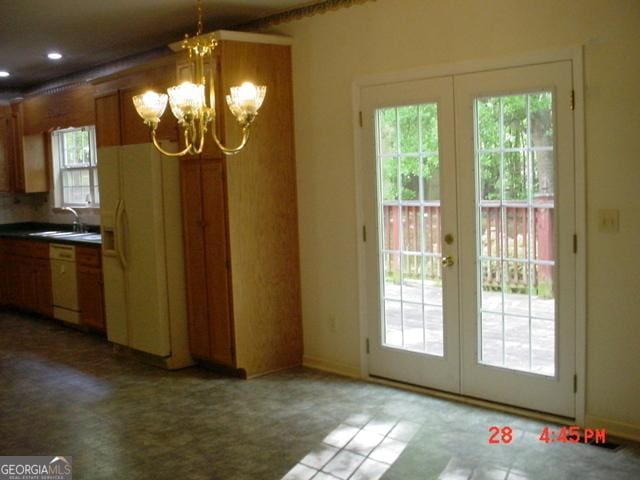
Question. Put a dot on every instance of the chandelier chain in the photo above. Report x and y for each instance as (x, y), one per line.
(199, 18)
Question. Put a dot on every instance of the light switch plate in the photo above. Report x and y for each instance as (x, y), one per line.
(608, 221)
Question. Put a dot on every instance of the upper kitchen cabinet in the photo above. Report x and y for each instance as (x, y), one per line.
(117, 122)
(240, 221)
(59, 108)
(23, 157)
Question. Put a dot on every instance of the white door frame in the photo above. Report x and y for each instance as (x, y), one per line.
(575, 55)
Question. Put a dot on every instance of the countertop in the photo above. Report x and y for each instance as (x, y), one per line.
(51, 232)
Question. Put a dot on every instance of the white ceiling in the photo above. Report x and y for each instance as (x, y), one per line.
(93, 32)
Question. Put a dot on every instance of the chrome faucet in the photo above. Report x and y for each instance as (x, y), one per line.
(77, 223)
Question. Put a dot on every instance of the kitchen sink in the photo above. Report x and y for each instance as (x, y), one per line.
(92, 236)
(65, 234)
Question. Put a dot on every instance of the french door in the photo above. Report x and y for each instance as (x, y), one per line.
(411, 198)
(469, 185)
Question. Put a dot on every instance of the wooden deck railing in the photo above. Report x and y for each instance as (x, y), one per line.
(510, 244)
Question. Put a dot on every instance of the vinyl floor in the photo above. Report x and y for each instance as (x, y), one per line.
(65, 392)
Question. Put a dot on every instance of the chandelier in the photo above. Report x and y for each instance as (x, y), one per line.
(193, 104)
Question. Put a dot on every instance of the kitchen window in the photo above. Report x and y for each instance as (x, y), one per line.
(75, 167)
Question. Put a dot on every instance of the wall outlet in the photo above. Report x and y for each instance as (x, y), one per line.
(608, 221)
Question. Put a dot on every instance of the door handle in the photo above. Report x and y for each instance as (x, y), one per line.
(119, 233)
(448, 261)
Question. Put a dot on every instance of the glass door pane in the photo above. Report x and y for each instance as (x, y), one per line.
(514, 154)
(408, 166)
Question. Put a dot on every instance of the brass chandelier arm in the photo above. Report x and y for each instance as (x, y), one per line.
(232, 151)
(163, 151)
(203, 130)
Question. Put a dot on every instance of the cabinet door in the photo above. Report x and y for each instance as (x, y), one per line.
(217, 261)
(28, 298)
(108, 120)
(33, 163)
(44, 294)
(90, 297)
(205, 234)
(14, 290)
(195, 268)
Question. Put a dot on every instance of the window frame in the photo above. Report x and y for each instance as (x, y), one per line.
(59, 167)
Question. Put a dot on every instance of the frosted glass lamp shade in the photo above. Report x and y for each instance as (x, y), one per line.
(186, 100)
(246, 99)
(150, 105)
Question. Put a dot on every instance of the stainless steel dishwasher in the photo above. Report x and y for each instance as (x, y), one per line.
(64, 282)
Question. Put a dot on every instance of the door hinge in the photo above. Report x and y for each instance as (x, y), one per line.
(573, 99)
(575, 243)
(367, 346)
(575, 383)
(360, 117)
(364, 233)
(227, 263)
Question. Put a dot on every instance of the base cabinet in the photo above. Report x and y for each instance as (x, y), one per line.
(25, 281)
(90, 287)
(42, 280)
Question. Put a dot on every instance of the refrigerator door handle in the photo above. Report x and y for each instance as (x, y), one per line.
(118, 231)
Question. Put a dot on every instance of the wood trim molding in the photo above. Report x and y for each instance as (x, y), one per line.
(311, 10)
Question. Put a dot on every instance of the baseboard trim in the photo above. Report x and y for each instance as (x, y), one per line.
(166, 363)
(614, 427)
(330, 366)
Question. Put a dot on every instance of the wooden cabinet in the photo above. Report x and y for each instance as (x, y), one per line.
(240, 224)
(90, 287)
(107, 109)
(207, 260)
(42, 280)
(23, 158)
(25, 281)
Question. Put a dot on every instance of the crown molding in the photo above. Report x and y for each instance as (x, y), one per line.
(299, 13)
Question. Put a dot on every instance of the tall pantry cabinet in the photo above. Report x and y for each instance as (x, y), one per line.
(240, 221)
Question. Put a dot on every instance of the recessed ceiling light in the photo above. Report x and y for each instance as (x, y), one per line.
(54, 56)
(4, 73)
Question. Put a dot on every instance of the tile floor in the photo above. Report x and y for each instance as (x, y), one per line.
(63, 392)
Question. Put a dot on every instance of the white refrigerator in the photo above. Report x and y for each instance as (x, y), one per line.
(142, 252)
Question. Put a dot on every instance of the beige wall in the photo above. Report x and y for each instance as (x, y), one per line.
(334, 49)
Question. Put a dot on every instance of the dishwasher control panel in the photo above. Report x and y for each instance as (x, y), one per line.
(62, 252)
